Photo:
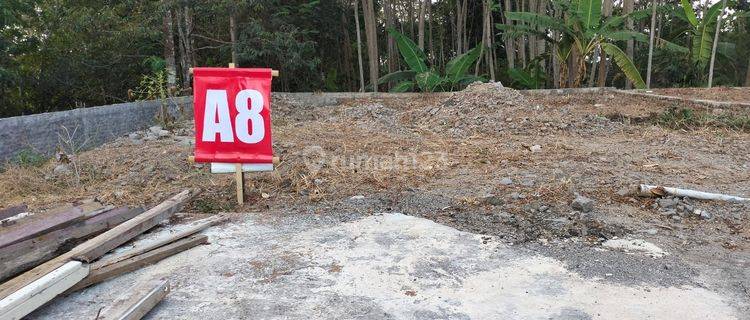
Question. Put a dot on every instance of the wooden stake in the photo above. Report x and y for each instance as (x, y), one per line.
(239, 175)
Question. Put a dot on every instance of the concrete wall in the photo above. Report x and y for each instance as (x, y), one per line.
(89, 127)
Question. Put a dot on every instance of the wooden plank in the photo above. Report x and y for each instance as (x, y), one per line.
(41, 291)
(137, 301)
(24, 255)
(102, 243)
(101, 273)
(12, 211)
(39, 224)
(197, 226)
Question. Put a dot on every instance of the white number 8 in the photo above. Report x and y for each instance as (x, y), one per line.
(252, 115)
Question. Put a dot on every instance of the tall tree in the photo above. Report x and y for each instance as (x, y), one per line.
(420, 26)
(233, 33)
(359, 48)
(652, 33)
(715, 44)
(169, 51)
(627, 6)
(373, 58)
(603, 65)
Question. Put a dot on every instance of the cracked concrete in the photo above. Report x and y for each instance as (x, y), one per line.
(388, 266)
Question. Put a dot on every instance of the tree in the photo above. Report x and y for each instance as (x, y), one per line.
(715, 43)
(427, 79)
(652, 32)
(169, 52)
(372, 42)
(359, 49)
(581, 30)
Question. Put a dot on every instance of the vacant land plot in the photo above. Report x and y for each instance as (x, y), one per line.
(486, 160)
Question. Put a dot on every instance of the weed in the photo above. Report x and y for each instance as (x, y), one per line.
(684, 118)
(30, 158)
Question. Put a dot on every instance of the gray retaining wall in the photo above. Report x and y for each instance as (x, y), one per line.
(89, 127)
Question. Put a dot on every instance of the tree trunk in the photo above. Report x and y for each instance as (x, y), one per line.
(392, 58)
(190, 26)
(420, 27)
(465, 33)
(372, 41)
(430, 56)
(359, 48)
(628, 8)
(490, 39)
(185, 31)
(169, 53)
(347, 59)
(592, 74)
(715, 44)
(233, 35)
(509, 42)
(459, 30)
(602, 79)
(652, 32)
(747, 74)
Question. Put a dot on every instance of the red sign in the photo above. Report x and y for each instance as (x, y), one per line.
(232, 108)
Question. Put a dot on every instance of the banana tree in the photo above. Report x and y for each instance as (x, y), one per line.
(426, 79)
(579, 31)
(701, 31)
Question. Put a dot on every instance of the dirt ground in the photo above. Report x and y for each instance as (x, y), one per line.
(733, 94)
(486, 160)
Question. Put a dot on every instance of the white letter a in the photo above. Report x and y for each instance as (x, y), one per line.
(217, 104)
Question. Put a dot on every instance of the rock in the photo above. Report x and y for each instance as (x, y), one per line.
(119, 194)
(494, 200)
(61, 169)
(535, 148)
(676, 218)
(265, 195)
(624, 192)
(582, 204)
(635, 245)
(667, 202)
(155, 129)
(705, 215)
(134, 136)
(516, 196)
(162, 133)
(506, 181)
(357, 197)
(527, 182)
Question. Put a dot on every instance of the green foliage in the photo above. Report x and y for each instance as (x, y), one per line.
(413, 56)
(590, 12)
(530, 78)
(625, 64)
(424, 78)
(29, 158)
(583, 29)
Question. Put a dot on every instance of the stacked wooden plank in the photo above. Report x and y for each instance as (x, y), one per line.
(80, 264)
(46, 234)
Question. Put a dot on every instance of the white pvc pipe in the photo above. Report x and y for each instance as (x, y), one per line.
(650, 190)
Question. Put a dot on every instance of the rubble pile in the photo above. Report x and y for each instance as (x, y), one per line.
(481, 107)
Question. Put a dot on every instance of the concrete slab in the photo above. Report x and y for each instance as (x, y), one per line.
(388, 266)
